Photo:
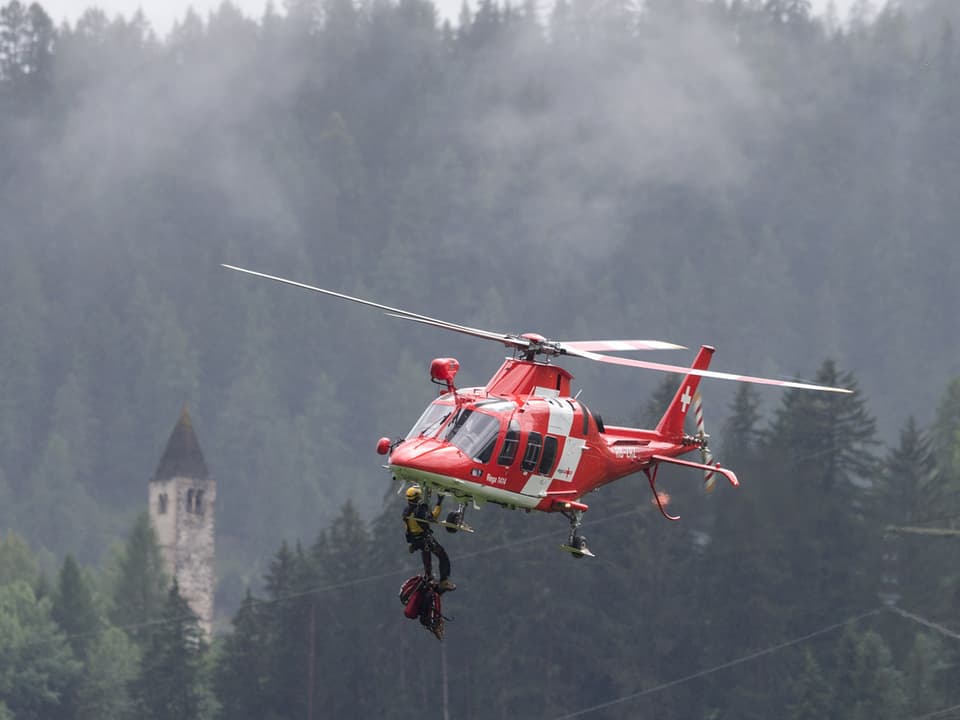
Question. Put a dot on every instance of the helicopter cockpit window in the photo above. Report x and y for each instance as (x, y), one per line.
(532, 454)
(511, 441)
(431, 420)
(475, 433)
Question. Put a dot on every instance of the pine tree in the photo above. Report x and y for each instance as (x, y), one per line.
(820, 451)
(945, 438)
(288, 657)
(829, 436)
(926, 674)
(340, 556)
(16, 560)
(866, 684)
(241, 670)
(141, 583)
(36, 664)
(110, 667)
(811, 692)
(171, 684)
(741, 436)
(74, 608)
(910, 493)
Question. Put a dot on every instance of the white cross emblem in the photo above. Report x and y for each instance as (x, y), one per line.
(685, 398)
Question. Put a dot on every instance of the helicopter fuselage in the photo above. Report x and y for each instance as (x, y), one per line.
(523, 442)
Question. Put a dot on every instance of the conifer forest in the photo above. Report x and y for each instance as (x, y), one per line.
(748, 174)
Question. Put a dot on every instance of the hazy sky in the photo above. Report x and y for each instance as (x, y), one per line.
(162, 13)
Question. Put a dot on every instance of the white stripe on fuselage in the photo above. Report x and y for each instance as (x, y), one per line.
(561, 418)
(569, 459)
(536, 486)
(479, 490)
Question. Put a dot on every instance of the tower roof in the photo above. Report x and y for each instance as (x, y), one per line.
(182, 458)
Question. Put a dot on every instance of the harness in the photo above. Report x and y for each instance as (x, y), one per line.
(417, 532)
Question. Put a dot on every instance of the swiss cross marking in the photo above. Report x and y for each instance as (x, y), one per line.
(685, 398)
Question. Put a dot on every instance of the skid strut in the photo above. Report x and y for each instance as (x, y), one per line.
(576, 543)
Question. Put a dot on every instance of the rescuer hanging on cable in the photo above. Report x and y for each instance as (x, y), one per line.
(416, 518)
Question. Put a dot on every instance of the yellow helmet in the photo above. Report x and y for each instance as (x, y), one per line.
(414, 493)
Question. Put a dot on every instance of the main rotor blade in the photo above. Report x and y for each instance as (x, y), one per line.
(508, 340)
(709, 373)
(620, 345)
(342, 296)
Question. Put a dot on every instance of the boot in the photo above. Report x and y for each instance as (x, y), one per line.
(446, 585)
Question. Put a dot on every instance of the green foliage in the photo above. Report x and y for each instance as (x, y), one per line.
(827, 436)
(74, 609)
(141, 584)
(112, 663)
(811, 692)
(925, 672)
(36, 664)
(868, 685)
(172, 683)
(16, 560)
(946, 437)
(242, 668)
(741, 431)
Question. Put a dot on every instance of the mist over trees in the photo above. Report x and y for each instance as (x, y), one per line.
(738, 173)
(761, 603)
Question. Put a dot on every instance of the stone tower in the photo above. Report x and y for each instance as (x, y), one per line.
(182, 501)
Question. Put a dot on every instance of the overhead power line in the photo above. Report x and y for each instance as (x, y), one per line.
(915, 530)
(938, 713)
(722, 666)
(947, 632)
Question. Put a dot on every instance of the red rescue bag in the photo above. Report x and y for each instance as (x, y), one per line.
(411, 595)
(412, 608)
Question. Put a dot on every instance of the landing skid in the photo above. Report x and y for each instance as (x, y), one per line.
(454, 527)
(453, 523)
(577, 552)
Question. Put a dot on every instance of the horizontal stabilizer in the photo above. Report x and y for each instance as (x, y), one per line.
(728, 474)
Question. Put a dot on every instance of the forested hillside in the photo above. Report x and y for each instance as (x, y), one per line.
(738, 173)
(760, 603)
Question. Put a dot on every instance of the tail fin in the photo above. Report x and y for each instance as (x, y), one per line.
(671, 424)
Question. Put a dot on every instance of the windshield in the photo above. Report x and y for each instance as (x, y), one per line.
(430, 421)
(475, 433)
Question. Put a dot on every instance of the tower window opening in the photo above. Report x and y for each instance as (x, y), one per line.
(198, 502)
(190, 500)
(162, 504)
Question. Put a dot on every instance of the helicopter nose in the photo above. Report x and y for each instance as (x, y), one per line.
(413, 457)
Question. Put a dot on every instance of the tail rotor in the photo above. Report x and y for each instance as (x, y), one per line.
(709, 476)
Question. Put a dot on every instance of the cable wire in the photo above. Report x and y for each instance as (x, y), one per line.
(723, 666)
(923, 621)
(937, 713)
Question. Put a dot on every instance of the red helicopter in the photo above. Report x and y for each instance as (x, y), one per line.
(524, 442)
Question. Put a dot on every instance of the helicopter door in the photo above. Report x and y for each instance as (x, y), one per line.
(537, 483)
